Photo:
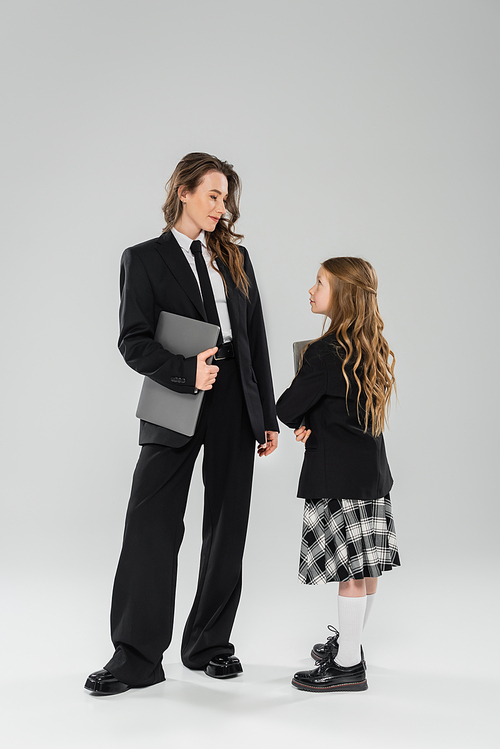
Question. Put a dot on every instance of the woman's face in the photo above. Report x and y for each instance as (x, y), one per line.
(321, 294)
(203, 207)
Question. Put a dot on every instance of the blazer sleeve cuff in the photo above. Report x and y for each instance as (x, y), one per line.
(178, 374)
(272, 426)
(190, 365)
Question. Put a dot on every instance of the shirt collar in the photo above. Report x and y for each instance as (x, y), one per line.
(185, 242)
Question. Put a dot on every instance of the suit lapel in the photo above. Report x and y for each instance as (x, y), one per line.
(174, 257)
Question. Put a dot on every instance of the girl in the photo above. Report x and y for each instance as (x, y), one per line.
(337, 404)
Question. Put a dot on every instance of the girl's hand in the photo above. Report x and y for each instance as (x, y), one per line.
(302, 434)
(270, 446)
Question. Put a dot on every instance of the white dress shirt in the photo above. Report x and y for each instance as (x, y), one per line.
(215, 280)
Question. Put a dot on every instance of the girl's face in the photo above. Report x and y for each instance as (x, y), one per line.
(321, 294)
(203, 207)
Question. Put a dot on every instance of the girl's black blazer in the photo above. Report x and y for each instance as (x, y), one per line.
(340, 460)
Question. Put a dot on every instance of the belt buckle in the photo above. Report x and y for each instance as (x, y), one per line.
(226, 348)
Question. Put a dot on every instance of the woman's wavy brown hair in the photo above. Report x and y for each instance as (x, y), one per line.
(222, 241)
(356, 323)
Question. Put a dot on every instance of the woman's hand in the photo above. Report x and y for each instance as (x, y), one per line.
(270, 446)
(302, 434)
(205, 373)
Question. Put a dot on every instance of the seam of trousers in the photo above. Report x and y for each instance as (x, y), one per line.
(201, 582)
(174, 573)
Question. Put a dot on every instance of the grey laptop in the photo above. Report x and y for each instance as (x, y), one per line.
(160, 405)
(298, 348)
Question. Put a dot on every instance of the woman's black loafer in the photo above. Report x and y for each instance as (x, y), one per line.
(223, 666)
(103, 682)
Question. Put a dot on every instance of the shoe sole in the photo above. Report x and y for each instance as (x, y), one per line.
(357, 686)
(229, 674)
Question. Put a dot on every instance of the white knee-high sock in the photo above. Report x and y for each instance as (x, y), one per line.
(351, 617)
(369, 604)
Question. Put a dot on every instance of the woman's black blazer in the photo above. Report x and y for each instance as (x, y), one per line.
(156, 276)
(340, 460)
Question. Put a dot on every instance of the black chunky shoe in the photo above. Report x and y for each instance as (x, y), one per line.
(102, 682)
(331, 647)
(223, 667)
(330, 677)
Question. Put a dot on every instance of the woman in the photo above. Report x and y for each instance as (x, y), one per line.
(195, 269)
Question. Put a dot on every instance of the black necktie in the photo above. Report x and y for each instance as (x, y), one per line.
(206, 286)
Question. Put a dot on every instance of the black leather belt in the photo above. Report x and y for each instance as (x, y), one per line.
(226, 351)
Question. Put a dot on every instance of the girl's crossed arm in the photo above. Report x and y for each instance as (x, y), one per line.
(306, 389)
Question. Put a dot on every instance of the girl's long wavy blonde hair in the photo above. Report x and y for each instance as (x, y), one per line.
(222, 241)
(357, 325)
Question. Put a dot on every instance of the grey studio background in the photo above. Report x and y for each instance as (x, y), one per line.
(358, 127)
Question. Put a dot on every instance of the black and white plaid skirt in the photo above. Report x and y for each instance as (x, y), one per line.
(344, 539)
